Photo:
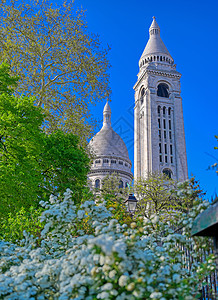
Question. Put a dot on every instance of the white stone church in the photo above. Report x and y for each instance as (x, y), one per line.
(159, 138)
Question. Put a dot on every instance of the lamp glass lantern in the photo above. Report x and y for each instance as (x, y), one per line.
(131, 203)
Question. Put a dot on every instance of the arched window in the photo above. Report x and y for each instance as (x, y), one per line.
(158, 109)
(164, 110)
(121, 184)
(169, 111)
(97, 183)
(162, 90)
(168, 173)
(142, 94)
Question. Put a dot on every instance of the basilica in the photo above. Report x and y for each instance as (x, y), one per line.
(159, 138)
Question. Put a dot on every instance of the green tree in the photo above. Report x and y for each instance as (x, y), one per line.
(34, 164)
(157, 194)
(57, 60)
(64, 164)
(20, 147)
(115, 197)
(111, 187)
(16, 225)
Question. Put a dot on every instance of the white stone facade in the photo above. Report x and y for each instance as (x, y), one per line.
(110, 154)
(159, 138)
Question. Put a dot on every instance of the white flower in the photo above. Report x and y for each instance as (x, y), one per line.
(156, 295)
(177, 267)
(80, 214)
(130, 287)
(94, 271)
(112, 274)
(155, 219)
(113, 292)
(176, 277)
(79, 266)
(106, 268)
(103, 295)
(109, 260)
(123, 280)
(107, 287)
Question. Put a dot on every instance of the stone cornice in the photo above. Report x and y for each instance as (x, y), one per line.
(110, 171)
(112, 157)
(164, 73)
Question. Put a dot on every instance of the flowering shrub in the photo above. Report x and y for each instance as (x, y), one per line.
(113, 261)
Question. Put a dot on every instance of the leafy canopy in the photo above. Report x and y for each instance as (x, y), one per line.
(115, 197)
(34, 164)
(57, 60)
(157, 194)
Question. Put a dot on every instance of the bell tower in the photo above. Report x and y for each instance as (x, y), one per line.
(159, 138)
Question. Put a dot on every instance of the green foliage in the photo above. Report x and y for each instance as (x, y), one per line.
(57, 60)
(6, 81)
(115, 198)
(20, 148)
(14, 225)
(34, 164)
(64, 164)
(153, 193)
(119, 210)
(158, 194)
(111, 188)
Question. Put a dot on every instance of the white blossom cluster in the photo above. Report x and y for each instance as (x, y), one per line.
(115, 261)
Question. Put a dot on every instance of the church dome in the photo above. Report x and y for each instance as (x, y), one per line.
(110, 153)
(108, 143)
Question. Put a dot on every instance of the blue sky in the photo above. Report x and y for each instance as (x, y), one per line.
(190, 32)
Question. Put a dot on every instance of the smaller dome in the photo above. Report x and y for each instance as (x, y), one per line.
(111, 154)
(108, 143)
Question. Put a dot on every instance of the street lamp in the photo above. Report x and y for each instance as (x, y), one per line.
(131, 204)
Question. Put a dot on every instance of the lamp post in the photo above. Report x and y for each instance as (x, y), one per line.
(131, 204)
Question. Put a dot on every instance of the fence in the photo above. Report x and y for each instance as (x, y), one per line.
(209, 286)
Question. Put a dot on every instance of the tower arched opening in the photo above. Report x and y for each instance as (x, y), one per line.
(121, 184)
(97, 183)
(168, 173)
(142, 94)
(163, 90)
